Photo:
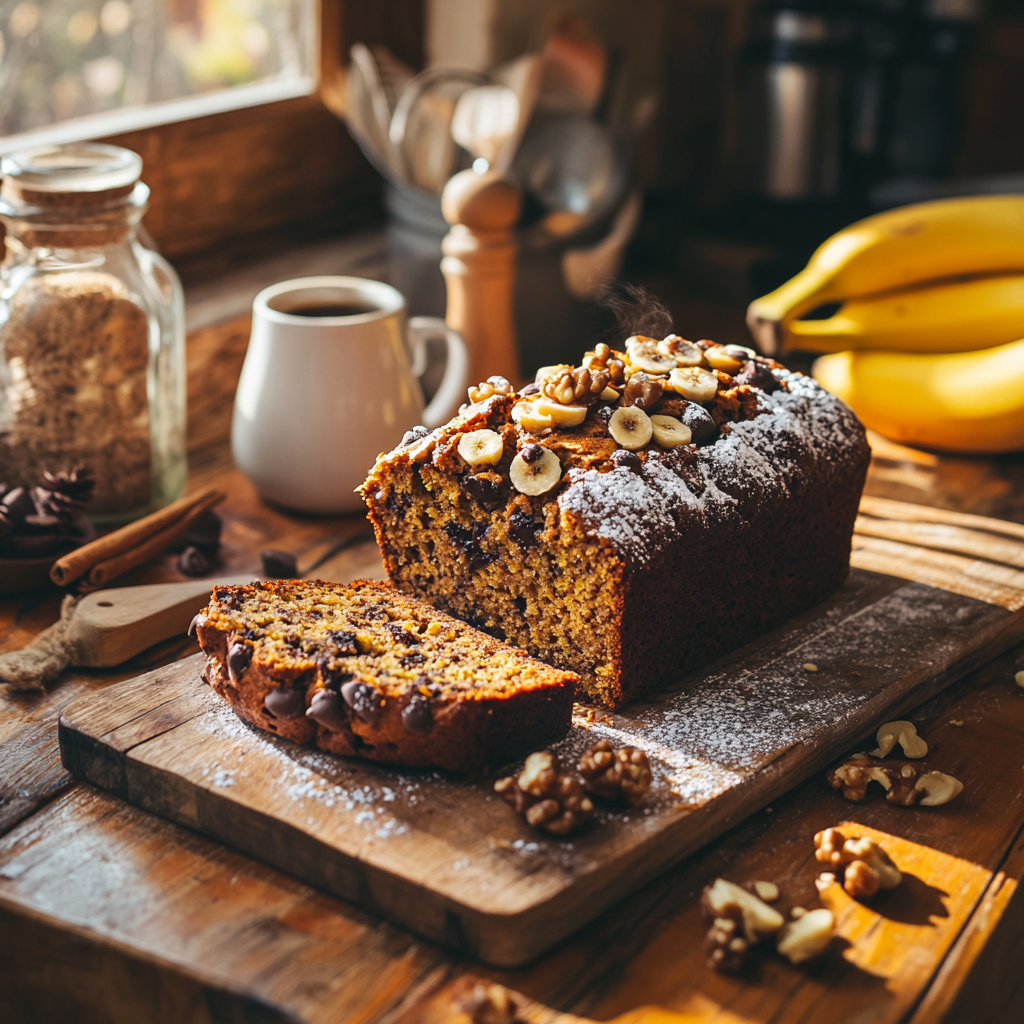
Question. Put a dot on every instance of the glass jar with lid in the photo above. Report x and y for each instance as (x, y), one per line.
(92, 331)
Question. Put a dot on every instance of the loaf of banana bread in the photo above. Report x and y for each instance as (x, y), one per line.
(629, 518)
(365, 671)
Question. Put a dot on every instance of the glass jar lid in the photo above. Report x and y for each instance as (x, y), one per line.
(74, 168)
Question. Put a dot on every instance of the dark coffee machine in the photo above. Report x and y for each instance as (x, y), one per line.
(795, 89)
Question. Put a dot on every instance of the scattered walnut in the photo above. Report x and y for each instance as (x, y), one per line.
(490, 1004)
(491, 386)
(733, 902)
(725, 949)
(605, 358)
(903, 733)
(767, 891)
(865, 865)
(642, 391)
(545, 796)
(581, 386)
(807, 936)
(905, 784)
(622, 774)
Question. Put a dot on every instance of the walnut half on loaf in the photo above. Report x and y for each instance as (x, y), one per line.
(631, 518)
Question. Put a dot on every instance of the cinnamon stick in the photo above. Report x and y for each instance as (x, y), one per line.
(78, 562)
(121, 562)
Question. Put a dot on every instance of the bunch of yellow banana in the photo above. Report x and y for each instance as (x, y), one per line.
(930, 299)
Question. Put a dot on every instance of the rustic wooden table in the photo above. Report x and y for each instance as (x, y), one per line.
(109, 914)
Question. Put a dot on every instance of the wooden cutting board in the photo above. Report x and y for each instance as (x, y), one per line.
(445, 857)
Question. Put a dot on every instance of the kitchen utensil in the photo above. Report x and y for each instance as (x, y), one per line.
(420, 130)
(370, 102)
(523, 77)
(486, 118)
(108, 627)
(321, 396)
(479, 269)
(572, 165)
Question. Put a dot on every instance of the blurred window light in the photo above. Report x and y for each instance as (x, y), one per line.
(74, 69)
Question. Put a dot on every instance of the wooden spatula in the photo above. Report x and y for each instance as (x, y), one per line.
(108, 627)
(111, 626)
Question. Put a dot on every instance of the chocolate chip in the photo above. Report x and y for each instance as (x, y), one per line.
(627, 459)
(332, 677)
(193, 626)
(756, 375)
(411, 660)
(239, 656)
(402, 635)
(484, 489)
(375, 611)
(698, 419)
(411, 436)
(530, 389)
(520, 604)
(363, 700)
(522, 528)
(279, 565)
(468, 542)
(530, 453)
(345, 641)
(417, 715)
(17, 504)
(192, 562)
(327, 709)
(285, 703)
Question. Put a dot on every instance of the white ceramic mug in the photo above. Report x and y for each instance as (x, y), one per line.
(320, 396)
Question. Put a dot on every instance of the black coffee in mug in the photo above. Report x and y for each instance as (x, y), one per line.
(333, 309)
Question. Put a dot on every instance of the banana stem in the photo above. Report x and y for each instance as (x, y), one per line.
(767, 315)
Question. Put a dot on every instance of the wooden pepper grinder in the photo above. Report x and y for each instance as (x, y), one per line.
(479, 269)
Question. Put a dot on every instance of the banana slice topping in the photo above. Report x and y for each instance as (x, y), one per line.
(721, 359)
(535, 470)
(670, 432)
(481, 447)
(682, 352)
(644, 355)
(631, 427)
(694, 383)
(563, 415)
(531, 418)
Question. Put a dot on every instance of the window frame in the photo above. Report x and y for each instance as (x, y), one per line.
(294, 173)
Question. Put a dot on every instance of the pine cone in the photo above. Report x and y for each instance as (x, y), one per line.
(65, 493)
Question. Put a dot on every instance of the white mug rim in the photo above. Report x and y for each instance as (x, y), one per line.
(261, 304)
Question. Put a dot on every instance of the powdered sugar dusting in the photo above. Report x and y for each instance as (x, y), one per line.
(755, 461)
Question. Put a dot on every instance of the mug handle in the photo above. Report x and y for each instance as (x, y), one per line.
(452, 389)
